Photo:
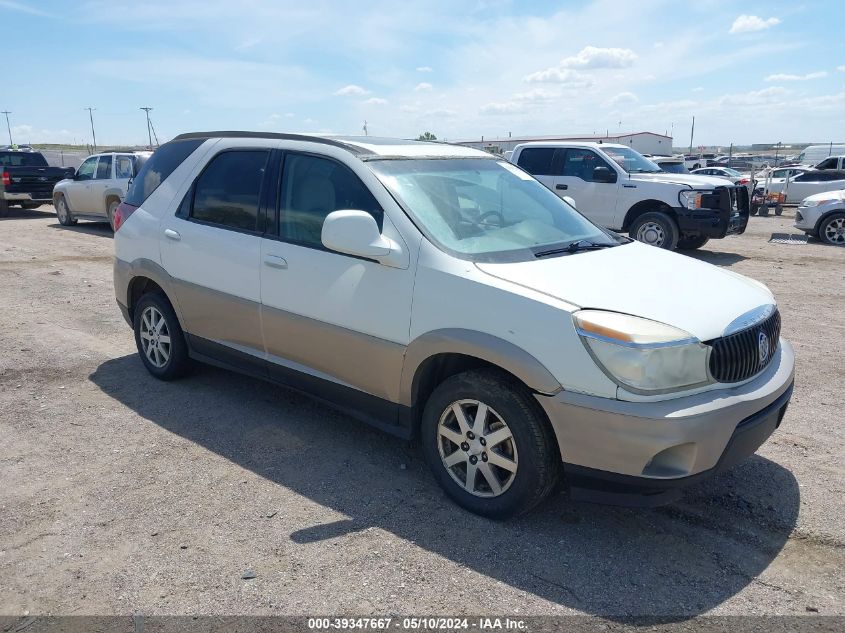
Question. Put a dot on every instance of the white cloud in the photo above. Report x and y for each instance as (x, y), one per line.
(424, 69)
(24, 8)
(698, 89)
(750, 23)
(423, 86)
(621, 99)
(375, 101)
(536, 95)
(755, 97)
(558, 76)
(593, 57)
(841, 69)
(504, 107)
(788, 77)
(246, 44)
(350, 90)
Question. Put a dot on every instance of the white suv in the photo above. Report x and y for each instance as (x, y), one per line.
(97, 187)
(444, 294)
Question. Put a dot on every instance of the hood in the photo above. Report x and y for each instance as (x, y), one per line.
(693, 180)
(828, 195)
(644, 281)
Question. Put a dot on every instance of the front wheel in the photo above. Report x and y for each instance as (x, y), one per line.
(489, 445)
(63, 212)
(832, 230)
(655, 228)
(113, 205)
(159, 338)
(692, 243)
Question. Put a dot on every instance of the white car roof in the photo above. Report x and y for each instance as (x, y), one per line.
(589, 144)
(392, 147)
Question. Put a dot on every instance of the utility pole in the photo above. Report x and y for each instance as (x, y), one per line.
(149, 130)
(91, 116)
(691, 133)
(8, 127)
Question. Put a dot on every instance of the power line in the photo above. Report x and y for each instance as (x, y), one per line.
(91, 116)
(8, 127)
(149, 127)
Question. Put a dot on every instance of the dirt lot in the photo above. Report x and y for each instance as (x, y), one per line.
(122, 494)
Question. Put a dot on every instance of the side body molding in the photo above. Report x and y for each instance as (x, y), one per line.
(486, 347)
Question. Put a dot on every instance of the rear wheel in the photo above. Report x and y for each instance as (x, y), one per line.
(489, 445)
(4, 208)
(113, 204)
(779, 209)
(159, 337)
(832, 229)
(763, 211)
(655, 228)
(63, 212)
(692, 243)
(31, 205)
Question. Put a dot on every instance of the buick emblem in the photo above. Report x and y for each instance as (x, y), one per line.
(763, 347)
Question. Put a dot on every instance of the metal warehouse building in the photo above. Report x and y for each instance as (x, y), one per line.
(643, 142)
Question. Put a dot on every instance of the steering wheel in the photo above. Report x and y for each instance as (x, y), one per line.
(483, 216)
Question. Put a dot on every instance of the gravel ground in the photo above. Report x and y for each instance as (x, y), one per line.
(122, 494)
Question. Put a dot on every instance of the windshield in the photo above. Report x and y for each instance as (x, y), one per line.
(631, 160)
(674, 168)
(485, 210)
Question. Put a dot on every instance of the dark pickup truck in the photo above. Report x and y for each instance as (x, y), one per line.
(26, 179)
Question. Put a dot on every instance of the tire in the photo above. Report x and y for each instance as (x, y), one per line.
(779, 209)
(832, 229)
(692, 243)
(527, 458)
(31, 205)
(754, 209)
(4, 208)
(763, 211)
(63, 211)
(162, 348)
(656, 229)
(113, 204)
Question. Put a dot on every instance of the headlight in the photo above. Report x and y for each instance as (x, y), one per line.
(691, 199)
(641, 355)
(817, 203)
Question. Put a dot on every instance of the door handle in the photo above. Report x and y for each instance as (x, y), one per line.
(562, 187)
(173, 235)
(274, 261)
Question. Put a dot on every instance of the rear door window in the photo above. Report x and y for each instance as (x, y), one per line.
(104, 167)
(538, 161)
(313, 187)
(228, 191)
(160, 165)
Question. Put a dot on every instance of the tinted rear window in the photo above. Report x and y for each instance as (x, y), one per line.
(22, 159)
(159, 166)
(537, 161)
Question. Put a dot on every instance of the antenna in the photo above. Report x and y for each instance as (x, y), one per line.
(149, 127)
(91, 116)
(7, 113)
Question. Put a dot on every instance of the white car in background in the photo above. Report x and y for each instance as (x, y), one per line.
(779, 174)
(823, 216)
(802, 186)
(97, 187)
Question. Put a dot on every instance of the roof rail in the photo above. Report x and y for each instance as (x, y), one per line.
(276, 135)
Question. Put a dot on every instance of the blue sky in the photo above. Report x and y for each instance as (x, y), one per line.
(750, 71)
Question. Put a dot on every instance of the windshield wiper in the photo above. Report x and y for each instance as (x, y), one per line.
(574, 247)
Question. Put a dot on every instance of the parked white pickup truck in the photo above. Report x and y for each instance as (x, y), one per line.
(617, 187)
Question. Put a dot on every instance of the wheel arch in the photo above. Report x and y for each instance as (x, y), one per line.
(644, 206)
(141, 277)
(824, 217)
(108, 196)
(436, 356)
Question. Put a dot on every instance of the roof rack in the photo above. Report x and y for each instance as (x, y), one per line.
(276, 135)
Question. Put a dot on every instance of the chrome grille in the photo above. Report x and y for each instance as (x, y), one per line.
(740, 356)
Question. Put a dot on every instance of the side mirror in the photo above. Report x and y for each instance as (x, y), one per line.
(570, 201)
(603, 174)
(354, 233)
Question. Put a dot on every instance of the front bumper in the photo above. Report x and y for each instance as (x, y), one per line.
(727, 214)
(806, 218)
(613, 448)
(23, 197)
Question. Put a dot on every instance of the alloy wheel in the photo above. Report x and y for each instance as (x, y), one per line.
(61, 209)
(155, 337)
(477, 448)
(651, 233)
(834, 232)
